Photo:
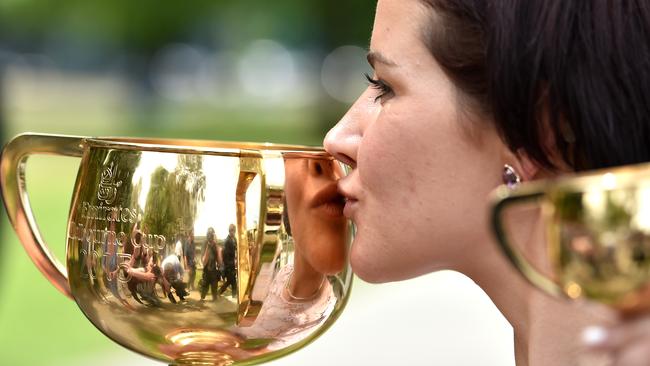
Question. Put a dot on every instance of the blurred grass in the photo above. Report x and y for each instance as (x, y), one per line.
(39, 325)
(293, 126)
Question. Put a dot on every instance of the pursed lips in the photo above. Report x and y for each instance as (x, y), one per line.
(330, 200)
(351, 200)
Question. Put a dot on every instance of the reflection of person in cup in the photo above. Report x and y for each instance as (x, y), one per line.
(212, 262)
(188, 259)
(229, 255)
(178, 248)
(172, 277)
(142, 270)
(300, 297)
(142, 281)
(133, 248)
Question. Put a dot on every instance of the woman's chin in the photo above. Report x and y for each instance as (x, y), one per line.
(331, 267)
(367, 268)
(382, 268)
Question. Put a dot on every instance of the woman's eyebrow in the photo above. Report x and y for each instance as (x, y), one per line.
(374, 57)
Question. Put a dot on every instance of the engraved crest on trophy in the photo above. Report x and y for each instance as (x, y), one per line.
(107, 190)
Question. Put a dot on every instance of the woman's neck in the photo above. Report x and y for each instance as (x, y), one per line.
(305, 281)
(511, 295)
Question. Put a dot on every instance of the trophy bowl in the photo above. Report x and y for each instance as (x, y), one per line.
(194, 252)
(596, 236)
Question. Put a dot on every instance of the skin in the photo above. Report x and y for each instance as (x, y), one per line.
(404, 145)
(318, 226)
(423, 167)
(627, 343)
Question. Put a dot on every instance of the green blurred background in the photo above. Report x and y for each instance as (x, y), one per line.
(278, 71)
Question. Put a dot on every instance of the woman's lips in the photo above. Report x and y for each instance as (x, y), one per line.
(334, 209)
(350, 208)
(351, 201)
(329, 201)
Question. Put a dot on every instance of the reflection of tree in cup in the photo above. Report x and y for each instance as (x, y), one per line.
(174, 196)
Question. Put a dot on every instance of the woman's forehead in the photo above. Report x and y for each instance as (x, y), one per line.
(397, 35)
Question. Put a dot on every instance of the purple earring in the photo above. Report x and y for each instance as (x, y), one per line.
(510, 177)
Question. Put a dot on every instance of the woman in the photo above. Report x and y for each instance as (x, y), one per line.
(300, 297)
(467, 95)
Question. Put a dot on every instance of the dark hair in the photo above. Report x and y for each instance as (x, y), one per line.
(285, 216)
(577, 70)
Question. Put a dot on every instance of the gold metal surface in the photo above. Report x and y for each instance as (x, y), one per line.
(195, 252)
(16, 200)
(597, 228)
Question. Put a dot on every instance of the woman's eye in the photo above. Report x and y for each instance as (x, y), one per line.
(381, 86)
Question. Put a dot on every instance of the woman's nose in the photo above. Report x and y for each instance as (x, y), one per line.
(342, 141)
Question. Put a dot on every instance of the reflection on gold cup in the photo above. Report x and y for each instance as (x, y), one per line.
(597, 231)
(175, 247)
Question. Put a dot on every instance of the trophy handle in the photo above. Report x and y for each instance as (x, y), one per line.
(14, 191)
(504, 197)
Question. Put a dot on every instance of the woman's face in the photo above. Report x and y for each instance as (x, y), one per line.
(315, 210)
(423, 163)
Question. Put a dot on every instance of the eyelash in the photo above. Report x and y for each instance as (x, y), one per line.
(379, 85)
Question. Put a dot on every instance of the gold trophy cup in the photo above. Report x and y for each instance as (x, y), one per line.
(597, 236)
(194, 252)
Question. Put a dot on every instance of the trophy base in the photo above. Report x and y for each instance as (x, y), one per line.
(203, 358)
(198, 347)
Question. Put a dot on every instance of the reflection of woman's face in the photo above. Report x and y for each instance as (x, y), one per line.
(315, 210)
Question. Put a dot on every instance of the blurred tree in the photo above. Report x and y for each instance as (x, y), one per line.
(145, 26)
(171, 204)
(81, 34)
(158, 211)
(189, 186)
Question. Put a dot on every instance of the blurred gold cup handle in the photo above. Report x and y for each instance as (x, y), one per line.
(504, 197)
(137, 201)
(14, 191)
(598, 235)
